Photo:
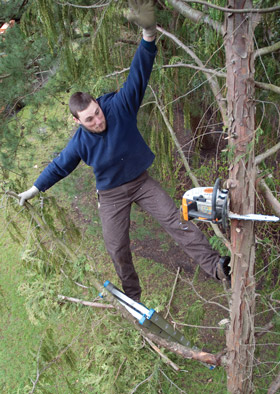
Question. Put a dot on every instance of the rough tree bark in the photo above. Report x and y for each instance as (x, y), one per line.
(241, 116)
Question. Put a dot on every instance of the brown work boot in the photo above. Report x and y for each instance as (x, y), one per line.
(223, 269)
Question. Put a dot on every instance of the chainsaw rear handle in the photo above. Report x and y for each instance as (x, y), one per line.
(190, 209)
(194, 214)
(216, 188)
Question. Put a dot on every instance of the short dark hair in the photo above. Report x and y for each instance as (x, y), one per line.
(79, 101)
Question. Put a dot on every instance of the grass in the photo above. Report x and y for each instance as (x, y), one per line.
(19, 337)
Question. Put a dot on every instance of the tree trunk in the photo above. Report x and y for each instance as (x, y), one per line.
(241, 116)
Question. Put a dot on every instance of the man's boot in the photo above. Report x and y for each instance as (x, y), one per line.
(223, 269)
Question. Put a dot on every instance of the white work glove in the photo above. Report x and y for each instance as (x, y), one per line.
(142, 12)
(30, 193)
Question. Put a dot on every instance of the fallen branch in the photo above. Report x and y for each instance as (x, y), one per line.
(76, 283)
(207, 301)
(163, 356)
(49, 364)
(86, 303)
(186, 352)
(119, 370)
(174, 347)
(172, 383)
(140, 384)
(172, 292)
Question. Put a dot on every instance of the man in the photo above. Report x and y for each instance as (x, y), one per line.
(108, 140)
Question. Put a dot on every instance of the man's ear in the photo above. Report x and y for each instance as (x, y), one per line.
(76, 120)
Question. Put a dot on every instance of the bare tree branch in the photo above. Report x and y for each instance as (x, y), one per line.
(203, 69)
(198, 17)
(4, 76)
(220, 74)
(172, 292)
(172, 383)
(178, 146)
(186, 164)
(76, 283)
(140, 384)
(214, 84)
(83, 6)
(269, 197)
(195, 326)
(264, 329)
(266, 154)
(264, 51)
(117, 72)
(236, 11)
(119, 370)
(268, 86)
(86, 303)
(49, 364)
(195, 15)
(207, 301)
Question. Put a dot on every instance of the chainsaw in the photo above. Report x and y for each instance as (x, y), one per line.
(211, 204)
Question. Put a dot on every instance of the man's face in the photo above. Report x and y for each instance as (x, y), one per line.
(92, 118)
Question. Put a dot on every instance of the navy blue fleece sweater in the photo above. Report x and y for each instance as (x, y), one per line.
(119, 154)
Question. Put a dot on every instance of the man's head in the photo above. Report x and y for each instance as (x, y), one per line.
(87, 112)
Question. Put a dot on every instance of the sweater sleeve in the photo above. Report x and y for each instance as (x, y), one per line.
(59, 168)
(130, 96)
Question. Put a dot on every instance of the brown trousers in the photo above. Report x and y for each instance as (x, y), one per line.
(114, 209)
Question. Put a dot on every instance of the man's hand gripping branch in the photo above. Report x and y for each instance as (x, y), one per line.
(142, 12)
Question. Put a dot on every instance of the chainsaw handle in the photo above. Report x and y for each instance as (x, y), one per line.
(214, 199)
